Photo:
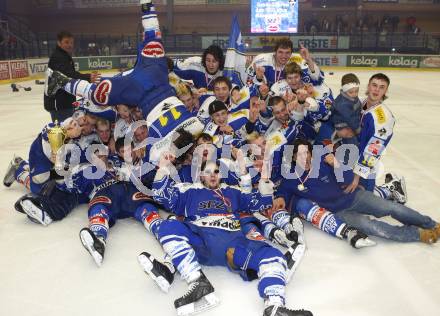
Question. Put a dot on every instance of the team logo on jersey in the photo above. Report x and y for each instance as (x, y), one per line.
(318, 215)
(100, 199)
(219, 222)
(102, 92)
(153, 50)
(375, 147)
(253, 234)
(211, 204)
(139, 196)
(325, 179)
(382, 132)
(380, 115)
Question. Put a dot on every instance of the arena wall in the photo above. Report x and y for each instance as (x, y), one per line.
(16, 70)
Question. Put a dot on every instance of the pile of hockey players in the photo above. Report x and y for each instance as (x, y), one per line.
(220, 172)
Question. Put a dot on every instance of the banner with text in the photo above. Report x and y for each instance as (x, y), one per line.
(393, 61)
(267, 42)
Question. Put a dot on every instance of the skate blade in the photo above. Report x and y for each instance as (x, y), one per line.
(87, 242)
(205, 303)
(147, 266)
(365, 242)
(9, 175)
(32, 211)
(297, 256)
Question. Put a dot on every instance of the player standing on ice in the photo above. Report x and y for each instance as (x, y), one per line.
(377, 124)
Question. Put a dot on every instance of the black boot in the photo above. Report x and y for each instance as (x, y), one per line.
(94, 245)
(199, 297)
(161, 273)
(55, 80)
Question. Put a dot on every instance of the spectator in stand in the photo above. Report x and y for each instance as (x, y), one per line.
(106, 50)
(60, 106)
(326, 25)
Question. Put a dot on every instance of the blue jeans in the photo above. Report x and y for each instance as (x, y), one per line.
(366, 203)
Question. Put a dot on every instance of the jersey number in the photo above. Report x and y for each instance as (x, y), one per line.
(163, 119)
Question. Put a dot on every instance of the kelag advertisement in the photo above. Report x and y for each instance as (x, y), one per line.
(274, 16)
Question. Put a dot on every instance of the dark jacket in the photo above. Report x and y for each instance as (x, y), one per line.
(346, 112)
(60, 60)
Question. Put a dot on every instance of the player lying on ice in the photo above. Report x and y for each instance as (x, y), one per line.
(314, 180)
(40, 168)
(210, 234)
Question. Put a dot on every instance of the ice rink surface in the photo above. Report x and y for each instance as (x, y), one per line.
(46, 271)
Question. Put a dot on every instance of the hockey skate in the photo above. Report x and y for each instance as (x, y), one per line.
(357, 239)
(294, 256)
(161, 273)
(397, 187)
(200, 297)
(94, 245)
(10, 172)
(275, 310)
(298, 227)
(29, 205)
(55, 80)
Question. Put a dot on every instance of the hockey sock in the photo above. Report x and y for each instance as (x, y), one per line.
(252, 228)
(281, 218)
(272, 274)
(98, 221)
(150, 23)
(80, 88)
(270, 265)
(173, 238)
(320, 217)
(149, 216)
(383, 192)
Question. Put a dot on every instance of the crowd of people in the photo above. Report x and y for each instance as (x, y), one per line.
(365, 23)
(220, 170)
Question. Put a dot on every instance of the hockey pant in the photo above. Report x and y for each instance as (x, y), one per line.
(189, 246)
(58, 203)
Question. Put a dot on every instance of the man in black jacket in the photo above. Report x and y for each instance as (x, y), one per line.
(60, 106)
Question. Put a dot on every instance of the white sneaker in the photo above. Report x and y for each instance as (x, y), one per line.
(35, 213)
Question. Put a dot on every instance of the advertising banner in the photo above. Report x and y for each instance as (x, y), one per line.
(330, 60)
(429, 62)
(37, 66)
(19, 69)
(393, 61)
(4, 70)
(255, 42)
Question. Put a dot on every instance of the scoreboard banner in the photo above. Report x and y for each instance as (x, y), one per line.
(274, 16)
